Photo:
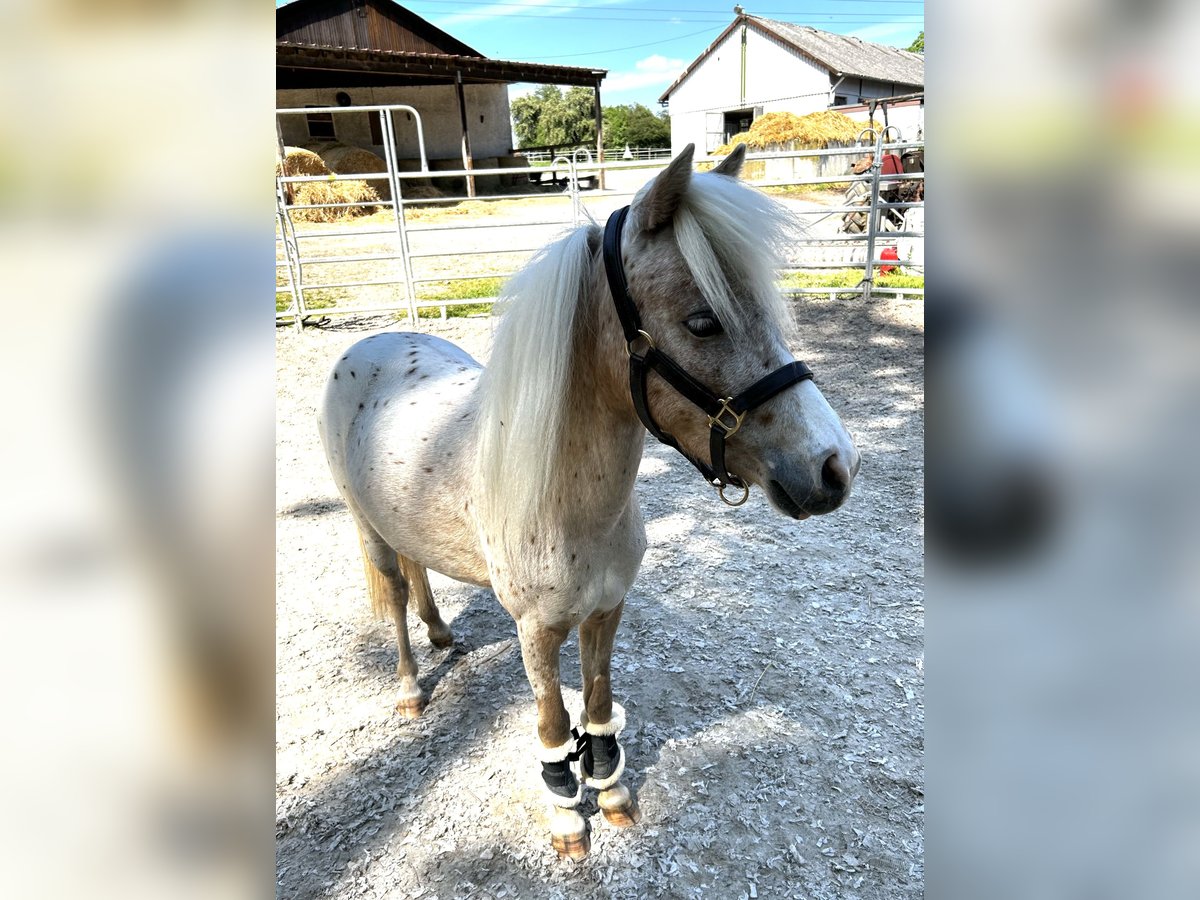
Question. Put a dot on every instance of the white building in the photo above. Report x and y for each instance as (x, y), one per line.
(759, 65)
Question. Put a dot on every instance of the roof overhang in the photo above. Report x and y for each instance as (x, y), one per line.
(309, 65)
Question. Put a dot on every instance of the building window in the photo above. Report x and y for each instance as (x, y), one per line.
(840, 99)
(737, 121)
(320, 126)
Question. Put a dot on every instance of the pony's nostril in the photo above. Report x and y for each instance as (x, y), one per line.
(834, 475)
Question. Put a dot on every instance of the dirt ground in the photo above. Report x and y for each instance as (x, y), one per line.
(772, 672)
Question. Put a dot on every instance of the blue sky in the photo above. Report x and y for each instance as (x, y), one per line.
(645, 44)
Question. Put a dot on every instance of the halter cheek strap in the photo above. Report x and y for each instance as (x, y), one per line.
(725, 414)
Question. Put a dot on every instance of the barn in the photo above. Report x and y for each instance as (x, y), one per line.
(366, 52)
(759, 65)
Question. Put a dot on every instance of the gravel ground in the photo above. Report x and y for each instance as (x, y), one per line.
(772, 672)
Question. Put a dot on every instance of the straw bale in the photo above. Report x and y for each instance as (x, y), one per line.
(298, 161)
(355, 160)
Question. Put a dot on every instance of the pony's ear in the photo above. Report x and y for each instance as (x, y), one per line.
(732, 164)
(658, 206)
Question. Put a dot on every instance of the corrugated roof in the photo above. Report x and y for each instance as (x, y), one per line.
(837, 52)
(851, 55)
(363, 25)
(383, 62)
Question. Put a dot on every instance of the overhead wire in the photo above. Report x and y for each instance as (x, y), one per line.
(771, 12)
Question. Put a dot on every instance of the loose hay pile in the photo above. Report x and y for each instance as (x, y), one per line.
(788, 131)
(298, 161)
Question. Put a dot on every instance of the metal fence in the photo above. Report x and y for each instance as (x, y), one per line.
(417, 250)
(610, 154)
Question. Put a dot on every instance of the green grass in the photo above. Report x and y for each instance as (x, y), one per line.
(461, 290)
(312, 299)
(458, 311)
(849, 278)
(445, 290)
(466, 291)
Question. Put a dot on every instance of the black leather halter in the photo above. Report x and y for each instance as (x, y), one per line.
(725, 414)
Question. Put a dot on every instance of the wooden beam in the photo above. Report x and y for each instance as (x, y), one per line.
(430, 66)
(468, 160)
(599, 113)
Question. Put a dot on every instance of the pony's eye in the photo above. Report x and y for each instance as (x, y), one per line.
(703, 325)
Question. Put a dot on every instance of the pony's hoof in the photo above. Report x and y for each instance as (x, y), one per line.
(619, 806)
(410, 707)
(441, 637)
(571, 846)
(569, 834)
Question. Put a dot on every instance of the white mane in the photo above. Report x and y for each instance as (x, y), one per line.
(725, 232)
(525, 382)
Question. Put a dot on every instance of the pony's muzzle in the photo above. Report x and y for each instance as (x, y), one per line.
(800, 490)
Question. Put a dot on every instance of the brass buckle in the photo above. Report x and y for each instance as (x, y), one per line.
(641, 335)
(719, 421)
(739, 502)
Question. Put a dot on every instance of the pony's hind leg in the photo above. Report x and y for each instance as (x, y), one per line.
(422, 596)
(389, 590)
(603, 762)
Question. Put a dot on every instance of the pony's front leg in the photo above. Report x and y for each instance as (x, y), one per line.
(540, 651)
(603, 761)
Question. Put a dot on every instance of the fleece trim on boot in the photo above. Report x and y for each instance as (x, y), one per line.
(552, 754)
(559, 800)
(615, 725)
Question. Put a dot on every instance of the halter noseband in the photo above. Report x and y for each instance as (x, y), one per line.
(725, 414)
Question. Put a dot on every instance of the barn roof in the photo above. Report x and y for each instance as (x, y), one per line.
(363, 25)
(840, 54)
(305, 65)
(846, 55)
(349, 43)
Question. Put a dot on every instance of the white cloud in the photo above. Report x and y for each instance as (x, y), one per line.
(649, 72)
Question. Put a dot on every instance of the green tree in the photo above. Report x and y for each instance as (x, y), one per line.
(636, 126)
(527, 113)
(551, 117)
(918, 44)
(616, 122)
(645, 129)
(571, 121)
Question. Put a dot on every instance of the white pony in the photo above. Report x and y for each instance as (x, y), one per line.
(520, 477)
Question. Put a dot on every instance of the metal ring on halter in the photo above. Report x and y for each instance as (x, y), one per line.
(728, 502)
(641, 335)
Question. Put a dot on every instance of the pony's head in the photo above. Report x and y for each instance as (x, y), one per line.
(701, 254)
